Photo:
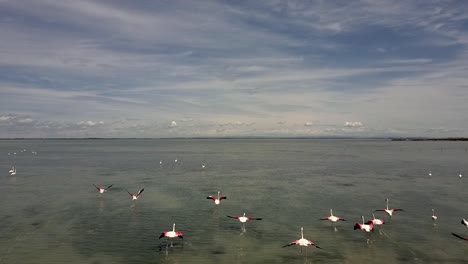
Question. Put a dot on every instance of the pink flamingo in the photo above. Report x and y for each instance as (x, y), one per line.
(102, 190)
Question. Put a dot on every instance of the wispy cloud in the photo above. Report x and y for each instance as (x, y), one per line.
(176, 68)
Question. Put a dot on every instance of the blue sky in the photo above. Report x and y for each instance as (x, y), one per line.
(233, 68)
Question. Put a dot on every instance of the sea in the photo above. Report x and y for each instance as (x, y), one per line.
(50, 212)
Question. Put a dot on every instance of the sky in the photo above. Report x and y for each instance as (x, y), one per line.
(170, 68)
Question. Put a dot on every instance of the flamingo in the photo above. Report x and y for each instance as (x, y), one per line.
(368, 227)
(135, 197)
(460, 174)
(160, 162)
(430, 173)
(171, 234)
(217, 199)
(302, 242)
(389, 211)
(102, 190)
(13, 173)
(12, 169)
(464, 238)
(377, 221)
(243, 218)
(434, 217)
(464, 222)
(332, 217)
(203, 166)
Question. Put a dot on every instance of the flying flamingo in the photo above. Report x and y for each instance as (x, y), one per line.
(243, 218)
(434, 217)
(377, 221)
(332, 217)
(368, 227)
(302, 242)
(13, 173)
(135, 197)
(389, 211)
(217, 199)
(464, 222)
(12, 169)
(102, 190)
(171, 234)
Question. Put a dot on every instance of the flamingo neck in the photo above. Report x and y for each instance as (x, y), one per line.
(373, 216)
(362, 219)
(302, 233)
(331, 212)
(218, 195)
(173, 227)
(387, 203)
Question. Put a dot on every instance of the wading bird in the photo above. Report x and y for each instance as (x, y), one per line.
(368, 227)
(103, 190)
(302, 242)
(434, 217)
(135, 197)
(171, 234)
(389, 211)
(217, 199)
(332, 217)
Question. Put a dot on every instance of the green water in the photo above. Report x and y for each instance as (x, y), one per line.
(51, 213)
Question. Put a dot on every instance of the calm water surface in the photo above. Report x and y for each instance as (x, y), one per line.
(51, 213)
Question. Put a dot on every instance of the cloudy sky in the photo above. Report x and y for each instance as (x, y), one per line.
(148, 68)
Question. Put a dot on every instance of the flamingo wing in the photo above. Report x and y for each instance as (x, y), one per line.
(109, 187)
(163, 234)
(211, 197)
(222, 197)
(381, 210)
(464, 238)
(295, 242)
(397, 209)
(179, 234)
(97, 187)
(357, 226)
(235, 217)
(313, 244)
(140, 191)
(131, 194)
(253, 218)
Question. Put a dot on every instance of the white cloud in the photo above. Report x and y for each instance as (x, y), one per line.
(353, 124)
(173, 124)
(311, 123)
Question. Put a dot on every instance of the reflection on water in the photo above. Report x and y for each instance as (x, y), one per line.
(51, 213)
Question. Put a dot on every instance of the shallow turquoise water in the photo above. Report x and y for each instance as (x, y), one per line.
(51, 213)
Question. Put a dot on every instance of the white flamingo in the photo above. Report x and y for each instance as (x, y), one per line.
(12, 169)
(332, 217)
(217, 199)
(377, 221)
(434, 217)
(171, 234)
(102, 190)
(13, 173)
(302, 242)
(135, 197)
(389, 211)
(368, 227)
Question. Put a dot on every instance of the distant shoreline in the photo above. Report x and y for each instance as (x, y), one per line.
(249, 138)
(430, 139)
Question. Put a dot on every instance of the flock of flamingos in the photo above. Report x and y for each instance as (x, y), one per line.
(303, 242)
